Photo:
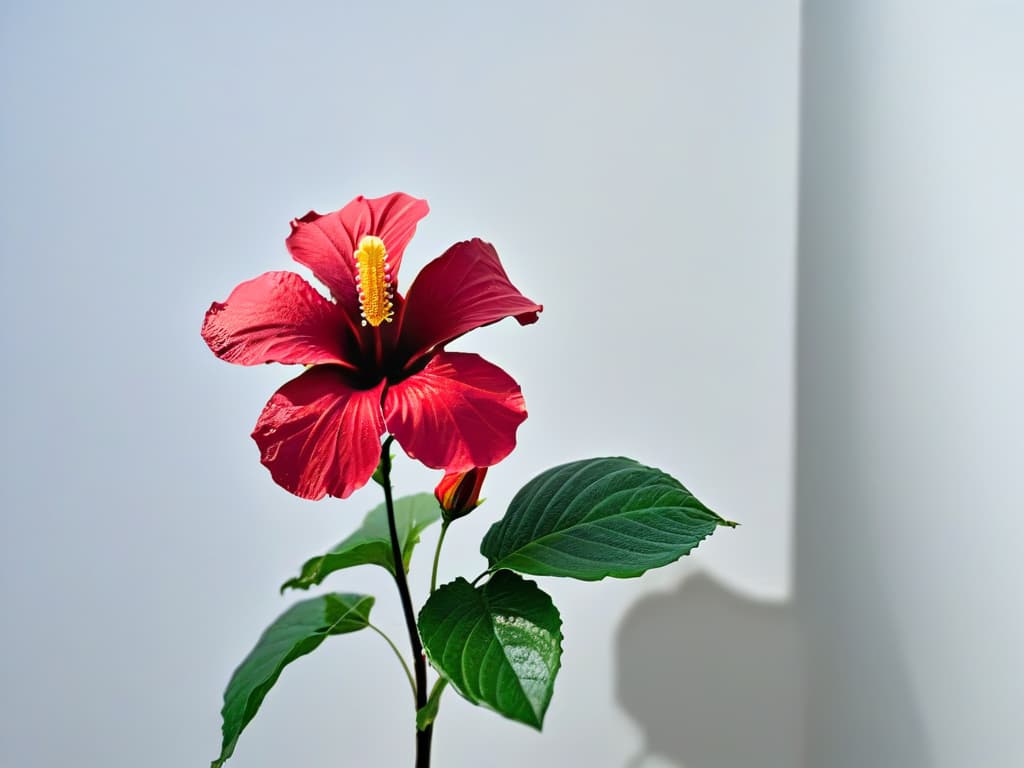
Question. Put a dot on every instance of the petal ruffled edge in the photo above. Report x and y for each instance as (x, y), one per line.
(464, 288)
(319, 436)
(278, 318)
(459, 412)
(326, 242)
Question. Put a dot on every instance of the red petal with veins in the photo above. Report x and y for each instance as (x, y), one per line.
(326, 242)
(278, 318)
(457, 413)
(464, 288)
(318, 436)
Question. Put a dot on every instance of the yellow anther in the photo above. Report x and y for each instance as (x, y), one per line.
(373, 279)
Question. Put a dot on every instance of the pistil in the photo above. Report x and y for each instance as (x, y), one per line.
(373, 281)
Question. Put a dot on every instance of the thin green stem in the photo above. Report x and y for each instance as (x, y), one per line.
(434, 700)
(437, 556)
(398, 653)
(423, 738)
(439, 685)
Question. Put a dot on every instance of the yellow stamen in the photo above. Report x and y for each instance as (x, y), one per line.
(373, 280)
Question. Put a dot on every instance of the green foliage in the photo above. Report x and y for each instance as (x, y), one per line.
(296, 632)
(499, 645)
(598, 517)
(371, 542)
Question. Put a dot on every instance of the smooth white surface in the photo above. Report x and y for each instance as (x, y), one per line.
(634, 164)
(911, 435)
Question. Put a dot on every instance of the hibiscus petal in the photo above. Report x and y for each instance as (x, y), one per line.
(318, 435)
(464, 288)
(326, 242)
(459, 412)
(278, 318)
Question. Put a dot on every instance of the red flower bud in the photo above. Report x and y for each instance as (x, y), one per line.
(458, 493)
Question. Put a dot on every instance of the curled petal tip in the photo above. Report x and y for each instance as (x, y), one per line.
(531, 317)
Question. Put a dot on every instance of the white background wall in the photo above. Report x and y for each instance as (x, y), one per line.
(911, 427)
(635, 165)
(150, 159)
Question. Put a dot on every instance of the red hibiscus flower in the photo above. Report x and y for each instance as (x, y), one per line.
(376, 358)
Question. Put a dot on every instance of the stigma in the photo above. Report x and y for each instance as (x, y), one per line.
(373, 281)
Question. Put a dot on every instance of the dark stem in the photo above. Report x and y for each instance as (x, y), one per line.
(423, 737)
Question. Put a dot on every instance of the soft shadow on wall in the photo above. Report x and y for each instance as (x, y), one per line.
(712, 678)
(715, 679)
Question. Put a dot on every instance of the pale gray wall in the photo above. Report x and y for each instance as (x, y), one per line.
(150, 158)
(152, 155)
(911, 427)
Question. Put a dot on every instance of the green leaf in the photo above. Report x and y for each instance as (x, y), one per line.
(296, 632)
(499, 645)
(598, 517)
(371, 542)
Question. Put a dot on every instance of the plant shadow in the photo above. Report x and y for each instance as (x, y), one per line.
(713, 678)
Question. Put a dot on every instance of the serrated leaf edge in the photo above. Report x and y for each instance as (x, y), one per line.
(539, 724)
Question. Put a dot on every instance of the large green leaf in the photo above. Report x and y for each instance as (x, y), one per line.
(371, 542)
(499, 645)
(296, 632)
(598, 517)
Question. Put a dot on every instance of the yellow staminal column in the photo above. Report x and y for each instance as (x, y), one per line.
(373, 280)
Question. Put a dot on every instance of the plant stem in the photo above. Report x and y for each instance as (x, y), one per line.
(434, 700)
(437, 556)
(423, 738)
(398, 653)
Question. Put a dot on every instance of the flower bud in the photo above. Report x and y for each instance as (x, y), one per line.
(458, 493)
